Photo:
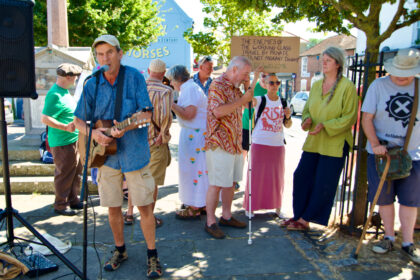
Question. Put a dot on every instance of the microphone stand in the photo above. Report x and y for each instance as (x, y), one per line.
(85, 190)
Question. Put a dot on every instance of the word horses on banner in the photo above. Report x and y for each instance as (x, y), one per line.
(275, 54)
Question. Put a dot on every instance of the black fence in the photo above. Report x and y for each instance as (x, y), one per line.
(345, 199)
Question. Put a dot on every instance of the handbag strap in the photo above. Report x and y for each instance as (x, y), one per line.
(118, 100)
(413, 113)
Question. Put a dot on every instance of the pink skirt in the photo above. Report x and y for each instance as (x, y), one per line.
(267, 177)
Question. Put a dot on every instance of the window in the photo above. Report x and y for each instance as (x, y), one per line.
(416, 33)
(304, 66)
(303, 84)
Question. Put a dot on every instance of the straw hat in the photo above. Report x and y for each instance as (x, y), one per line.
(405, 64)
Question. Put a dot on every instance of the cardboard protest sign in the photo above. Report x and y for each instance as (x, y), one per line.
(276, 54)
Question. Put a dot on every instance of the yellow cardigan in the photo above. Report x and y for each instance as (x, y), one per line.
(338, 116)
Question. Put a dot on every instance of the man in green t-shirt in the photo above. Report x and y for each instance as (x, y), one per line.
(62, 138)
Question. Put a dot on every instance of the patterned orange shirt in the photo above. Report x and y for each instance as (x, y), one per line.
(226, 132)
(161, 97)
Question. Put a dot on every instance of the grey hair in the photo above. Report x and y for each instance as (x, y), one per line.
(178, 73)
(239, 62)
(338, 55)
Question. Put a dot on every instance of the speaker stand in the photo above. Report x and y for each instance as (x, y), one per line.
(9, 213)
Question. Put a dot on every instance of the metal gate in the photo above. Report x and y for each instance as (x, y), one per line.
(346, 192)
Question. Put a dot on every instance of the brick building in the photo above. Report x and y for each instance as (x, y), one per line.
(310, 61)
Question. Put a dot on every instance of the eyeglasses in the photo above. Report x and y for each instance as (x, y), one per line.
(272, 83)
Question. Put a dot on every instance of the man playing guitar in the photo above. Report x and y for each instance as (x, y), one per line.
(132, 156)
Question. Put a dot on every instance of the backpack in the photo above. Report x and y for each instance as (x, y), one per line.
(262, 107)
(44, 148)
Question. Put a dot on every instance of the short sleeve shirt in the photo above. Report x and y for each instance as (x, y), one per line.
(192, 94)
(225, 132)
(391, 105)
(60, 105)
(205, 87)
(132, 149)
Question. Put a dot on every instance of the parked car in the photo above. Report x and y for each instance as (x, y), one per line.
(8, 111)
(298, 102)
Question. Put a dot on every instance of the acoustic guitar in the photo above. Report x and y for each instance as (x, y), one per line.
(99, 153)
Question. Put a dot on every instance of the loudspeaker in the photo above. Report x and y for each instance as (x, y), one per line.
(17, 62)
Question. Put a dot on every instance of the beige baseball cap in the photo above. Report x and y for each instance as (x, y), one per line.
(110, 39)
(157, 65)
(68, 69)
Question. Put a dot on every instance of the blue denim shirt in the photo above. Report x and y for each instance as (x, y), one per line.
(204, 88)
(133, 148)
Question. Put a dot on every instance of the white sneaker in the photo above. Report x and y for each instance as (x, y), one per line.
(247, 214)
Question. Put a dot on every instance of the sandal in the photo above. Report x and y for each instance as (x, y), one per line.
(128, 219)
(125, 193)
(188, 213)
(295, 225)
(285, 223)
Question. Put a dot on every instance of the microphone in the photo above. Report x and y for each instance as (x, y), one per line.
(98, 71)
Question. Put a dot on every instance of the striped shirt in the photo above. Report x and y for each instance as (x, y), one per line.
(161, 97)
(226, 132)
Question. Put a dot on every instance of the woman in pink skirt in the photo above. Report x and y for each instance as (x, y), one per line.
(267, 149)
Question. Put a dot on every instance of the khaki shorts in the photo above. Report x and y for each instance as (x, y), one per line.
(224, 168)
(140, 184)
(159, 159)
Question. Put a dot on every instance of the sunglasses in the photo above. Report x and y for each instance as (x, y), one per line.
(272, 83)
(206, 59)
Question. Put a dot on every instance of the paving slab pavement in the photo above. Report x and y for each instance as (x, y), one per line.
(187, 252)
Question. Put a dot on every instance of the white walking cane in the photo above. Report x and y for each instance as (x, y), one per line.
(249, 175)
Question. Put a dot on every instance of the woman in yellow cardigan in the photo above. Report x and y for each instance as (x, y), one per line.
(329, 114)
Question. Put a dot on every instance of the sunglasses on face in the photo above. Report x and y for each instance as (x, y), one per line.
(272, 83)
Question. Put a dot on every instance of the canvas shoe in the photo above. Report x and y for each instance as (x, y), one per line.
(412, 253)
(383, 246)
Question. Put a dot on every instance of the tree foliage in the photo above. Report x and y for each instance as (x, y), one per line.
(227, 21)
(136, 23)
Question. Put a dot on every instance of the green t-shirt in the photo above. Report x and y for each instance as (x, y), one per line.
(60, 105)
(258, 91)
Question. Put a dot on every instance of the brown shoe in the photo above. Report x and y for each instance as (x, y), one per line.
(232, 222)
(214, 231)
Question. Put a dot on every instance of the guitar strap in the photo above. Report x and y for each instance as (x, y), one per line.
(118, 98)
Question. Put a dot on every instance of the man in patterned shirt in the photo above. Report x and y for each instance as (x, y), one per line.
(161, 97)
(203, 76)
(223, 141)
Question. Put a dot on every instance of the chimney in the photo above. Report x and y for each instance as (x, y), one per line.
(58, 33)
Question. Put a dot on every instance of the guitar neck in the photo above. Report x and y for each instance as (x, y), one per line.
(119, 126)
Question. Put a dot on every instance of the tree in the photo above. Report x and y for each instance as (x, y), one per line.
(227, 21)
(330, 15)
(135, 23)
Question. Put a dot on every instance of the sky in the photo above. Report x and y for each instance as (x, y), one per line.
(193, 8)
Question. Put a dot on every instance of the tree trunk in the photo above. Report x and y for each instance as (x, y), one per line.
(360, 194)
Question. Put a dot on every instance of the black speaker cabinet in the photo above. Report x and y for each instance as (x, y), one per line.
(17, 62)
